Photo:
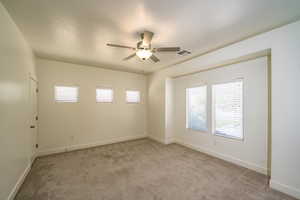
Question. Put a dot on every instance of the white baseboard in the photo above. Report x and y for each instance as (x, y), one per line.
(33, 157)
(170, 140)
(19, 183)
(156, 139)
(89, 145)
(231, 159)
(294, 192)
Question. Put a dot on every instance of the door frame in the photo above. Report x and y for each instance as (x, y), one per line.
(33, 154)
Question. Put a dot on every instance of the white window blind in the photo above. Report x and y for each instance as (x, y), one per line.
(66, 94)
(228, 109)
(104, 95)
(196, 108)
(133, 96)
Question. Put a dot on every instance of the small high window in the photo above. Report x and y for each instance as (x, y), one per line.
(104, 95)
(133, 96)
(66, 94)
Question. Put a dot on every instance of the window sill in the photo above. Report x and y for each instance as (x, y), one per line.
(66, 101)
(229, 137)
(196, 130)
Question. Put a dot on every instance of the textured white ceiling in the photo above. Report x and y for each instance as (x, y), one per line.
(77, 31)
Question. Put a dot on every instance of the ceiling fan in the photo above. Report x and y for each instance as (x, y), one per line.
(143, 49)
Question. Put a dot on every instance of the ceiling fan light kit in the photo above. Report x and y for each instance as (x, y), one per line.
(143, 48)
(144, 54)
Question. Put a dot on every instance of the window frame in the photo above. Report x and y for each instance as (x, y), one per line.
(187, 116)
(134, 90)
(72, 86)
(105, 88)
(213, 113)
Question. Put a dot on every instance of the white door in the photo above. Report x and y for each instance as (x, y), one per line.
(33, 117)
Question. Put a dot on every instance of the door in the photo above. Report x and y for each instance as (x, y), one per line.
(33, 118)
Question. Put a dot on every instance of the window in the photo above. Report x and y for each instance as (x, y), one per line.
(196, 108)
(228, 109)
(66, 94)
(104, 95)
(133, 96)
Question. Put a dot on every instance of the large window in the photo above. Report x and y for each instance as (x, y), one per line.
(133, 96)
(66, 94)
(104, 95)
(196, 108)
(228, 109)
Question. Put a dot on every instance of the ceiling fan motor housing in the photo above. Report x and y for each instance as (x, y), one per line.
(140, 45)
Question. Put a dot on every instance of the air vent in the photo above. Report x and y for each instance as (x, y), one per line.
(184, 52)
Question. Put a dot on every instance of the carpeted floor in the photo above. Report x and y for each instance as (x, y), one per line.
(142, 170)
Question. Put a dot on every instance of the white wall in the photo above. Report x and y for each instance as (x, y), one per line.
(75, 125)
(285, 46)
(255, 114)
(16, 65)
(170, 112)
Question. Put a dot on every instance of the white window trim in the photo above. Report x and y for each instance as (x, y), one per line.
(187, 108)
(213, 120)
(140, 100)
(63, 85)
(113, 94)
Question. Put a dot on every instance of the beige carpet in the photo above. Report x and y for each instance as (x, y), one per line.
(142, 170)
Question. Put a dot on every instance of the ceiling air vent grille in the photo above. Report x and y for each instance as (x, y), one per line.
(184, 53)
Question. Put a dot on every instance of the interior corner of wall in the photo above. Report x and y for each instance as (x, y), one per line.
(170, 140)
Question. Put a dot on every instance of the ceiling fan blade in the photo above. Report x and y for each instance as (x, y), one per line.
(147, 37)
(154, 58)
(120, 46)
(128, 57)
(167, 49)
